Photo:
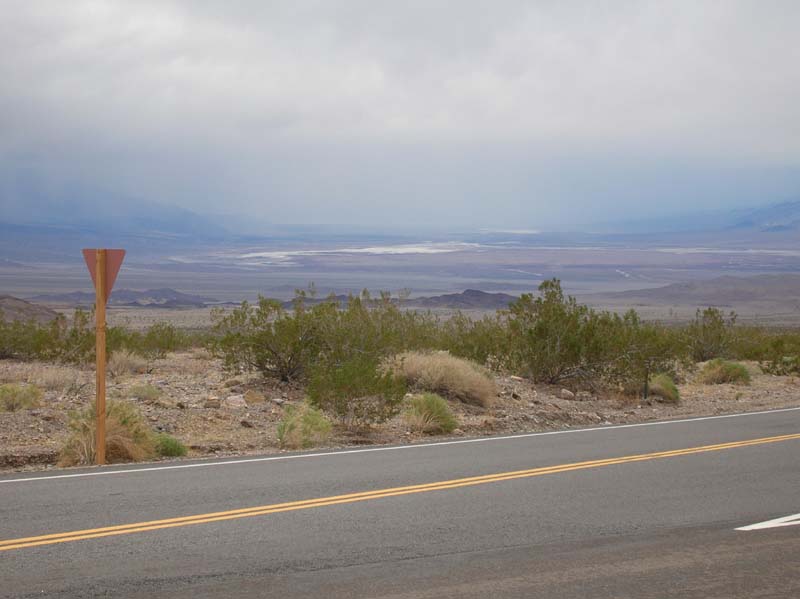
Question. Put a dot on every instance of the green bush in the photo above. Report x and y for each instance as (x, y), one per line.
(664, 387)
(639, 350)
(303, 427)
(55, 341)
(15, 397)
(128, 437)
(357, 391)
(710, 335)
(719, 371)
(168, 446)
(430, 413)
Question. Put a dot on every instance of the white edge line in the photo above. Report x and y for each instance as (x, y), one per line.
(792, 520)
(393, 448)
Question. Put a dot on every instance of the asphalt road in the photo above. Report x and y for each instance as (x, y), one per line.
(638, 511)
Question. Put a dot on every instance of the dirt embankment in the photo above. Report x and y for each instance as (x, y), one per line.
(190, 396)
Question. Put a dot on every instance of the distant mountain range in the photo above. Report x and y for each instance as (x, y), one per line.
(721, 291)
(471, 299)
(151, 298)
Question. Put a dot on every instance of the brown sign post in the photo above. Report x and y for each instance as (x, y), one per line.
(103, 266)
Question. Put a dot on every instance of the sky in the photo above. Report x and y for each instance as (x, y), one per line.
(465, 114)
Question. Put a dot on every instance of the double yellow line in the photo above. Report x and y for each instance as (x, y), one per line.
(124, 529)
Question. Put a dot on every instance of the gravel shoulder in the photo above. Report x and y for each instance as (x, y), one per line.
(216, 414)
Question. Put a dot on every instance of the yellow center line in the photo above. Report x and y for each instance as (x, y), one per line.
(107, 531)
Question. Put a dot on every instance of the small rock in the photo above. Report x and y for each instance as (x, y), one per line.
(278, 401)
(235, 402)
(583, 396)
(246, 424)
(458, 432)
(516, 378)
(181, 405)
(251, 396)
(212, 402)
(515, 395)
(566, 394)
(232, 383)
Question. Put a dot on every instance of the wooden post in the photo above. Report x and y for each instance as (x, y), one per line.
(100, 328)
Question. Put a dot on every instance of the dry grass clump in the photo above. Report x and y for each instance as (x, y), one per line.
(303, 427)
(663, 386)
(144, 392)
(14, 396)
(50, 377)
(717, 372)
(453, 377)
(125, 362)
(128, 438)
(429, 413)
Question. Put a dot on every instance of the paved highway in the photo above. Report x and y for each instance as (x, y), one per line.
(628, 511)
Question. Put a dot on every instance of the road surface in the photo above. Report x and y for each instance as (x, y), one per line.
(621, 511)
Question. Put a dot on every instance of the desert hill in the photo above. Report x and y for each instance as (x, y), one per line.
(13, 308)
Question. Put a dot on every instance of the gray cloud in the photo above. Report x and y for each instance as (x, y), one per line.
(414, 111)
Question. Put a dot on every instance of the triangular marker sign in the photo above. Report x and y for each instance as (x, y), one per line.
(114, 260)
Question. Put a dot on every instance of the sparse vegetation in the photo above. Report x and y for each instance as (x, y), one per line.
(144, 392)
(14, 396)
(719, 371)
(125, 362)
(303, 427)
(451, 376)
(128, 438)
(168, 446)
(429, 413)
(664, 387)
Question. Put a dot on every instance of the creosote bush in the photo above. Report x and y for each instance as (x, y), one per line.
(664, 387)
(128, 437)
(453, 377)
(14, 396)
(429, 413)
(719, 371)
(357, 391)
(303, 427)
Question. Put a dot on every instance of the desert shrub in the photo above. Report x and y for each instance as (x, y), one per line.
(439, 372)
(639, 350)
(719, 371)
(168, 446)
(664, 387)
(710, 335)
(124, 361)
(303, 427)
(552, 338)
(268, 338)
(128, 438)
(15, 397)
(485, 341)
(357, 391)
(58, 340)
(162, 338)
(781, 365)
(430, 413)
(144, 392)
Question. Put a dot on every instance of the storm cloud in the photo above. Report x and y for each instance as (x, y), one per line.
(523, 114)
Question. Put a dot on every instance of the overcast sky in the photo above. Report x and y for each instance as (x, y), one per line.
(496, 113)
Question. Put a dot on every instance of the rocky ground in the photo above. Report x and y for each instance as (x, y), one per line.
(214, 413)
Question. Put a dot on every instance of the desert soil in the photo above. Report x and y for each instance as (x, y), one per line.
(217, 414)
